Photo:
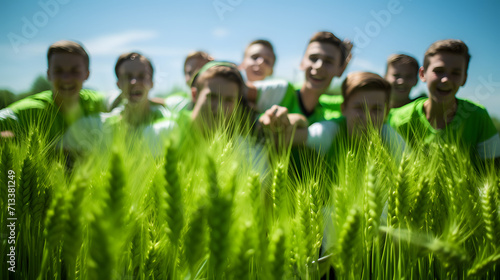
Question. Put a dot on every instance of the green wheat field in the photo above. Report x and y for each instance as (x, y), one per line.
(211, 207)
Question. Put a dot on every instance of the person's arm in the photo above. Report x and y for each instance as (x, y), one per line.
(7, 120)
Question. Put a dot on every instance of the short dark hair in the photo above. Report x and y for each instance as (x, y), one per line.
(132, 56)
(198, 55)
(65, 46)
(402, 59)
(328, 37)
(453, 46)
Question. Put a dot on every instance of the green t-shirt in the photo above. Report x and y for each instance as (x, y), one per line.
(41, 111)
(471, 128)
(282, 93)
(332, 103)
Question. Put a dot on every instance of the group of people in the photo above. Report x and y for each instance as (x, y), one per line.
(303, 115)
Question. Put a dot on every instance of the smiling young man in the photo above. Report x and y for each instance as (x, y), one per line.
(259, 60)
(443, 116)
(53, 111)
(135, 79)
(326, 57)
(402, 74)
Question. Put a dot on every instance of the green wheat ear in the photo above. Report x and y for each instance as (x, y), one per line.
(174, 217)
(397, 202)
(101, 260)
(55, 223)
(220, 212)
(491, 215)
(73, 236)
(348, 238)
(117, 181)
(243, 264)
(487, 265)
(195, 239)
(277, 257)
(153, 269)
(307, 231)
(28, 185)
(417, 212)
(373, 199)
(278, 189)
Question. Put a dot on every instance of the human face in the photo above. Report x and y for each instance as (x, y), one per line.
(402, 78)
(321, 63)
(217, 97)
(258, 62)
(192, 66)
(363, 108)
(67, 72)
(444, 75)
(135, 80)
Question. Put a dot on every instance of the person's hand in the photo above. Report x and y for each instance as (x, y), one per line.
(348, 47)
(7, 134)
(276, 125)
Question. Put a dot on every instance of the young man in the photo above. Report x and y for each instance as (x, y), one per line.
(137, 113)
(326, 57)
(402, 74)
(181, 100)
(258, 60)
(135, 79)
(218, 92)
(55, 110)
(443, 116)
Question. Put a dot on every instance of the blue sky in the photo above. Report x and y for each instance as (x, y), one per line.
(166, 31)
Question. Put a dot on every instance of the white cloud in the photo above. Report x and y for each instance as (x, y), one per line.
(119, 42)
(220, 32)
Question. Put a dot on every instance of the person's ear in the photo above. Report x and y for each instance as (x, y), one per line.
(194, 94)
(421, 74)
(49, 78)
(302, 65)
(87, 75)
(465, 79)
